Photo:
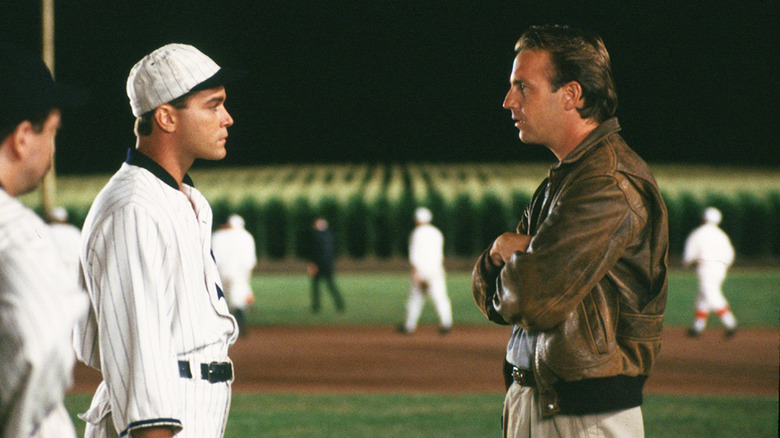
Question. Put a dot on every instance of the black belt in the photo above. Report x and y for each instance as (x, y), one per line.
(214, 372)
(523, 377)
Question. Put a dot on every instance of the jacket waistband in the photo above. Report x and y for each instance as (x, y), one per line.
(599, 395)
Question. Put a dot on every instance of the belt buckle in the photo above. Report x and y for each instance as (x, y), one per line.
(520, 377)
(211, 372)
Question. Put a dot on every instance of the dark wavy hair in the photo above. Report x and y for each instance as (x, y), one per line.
(579, 56)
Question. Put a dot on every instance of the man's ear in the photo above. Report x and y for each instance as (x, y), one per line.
(165, 116)
(572, 96)
(19, 139)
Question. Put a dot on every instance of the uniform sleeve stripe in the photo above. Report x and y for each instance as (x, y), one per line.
(151, 423)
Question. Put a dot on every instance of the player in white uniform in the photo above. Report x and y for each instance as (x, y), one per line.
(426, 255)
(159, 327)
(68, 239)
(234, 250)
(39, 300)
(709, 249)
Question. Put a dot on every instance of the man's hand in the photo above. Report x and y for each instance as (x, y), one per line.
(311, 269)
(506, 245)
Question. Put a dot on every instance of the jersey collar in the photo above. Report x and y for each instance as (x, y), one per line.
(137, 158)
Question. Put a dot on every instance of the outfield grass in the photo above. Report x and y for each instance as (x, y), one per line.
(283, 299)
(467, 416)
(378, 299)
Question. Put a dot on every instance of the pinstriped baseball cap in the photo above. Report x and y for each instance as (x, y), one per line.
(170, 72)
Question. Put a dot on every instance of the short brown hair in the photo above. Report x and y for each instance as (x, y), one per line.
(579, 56)
(37, 120)
(145, 122)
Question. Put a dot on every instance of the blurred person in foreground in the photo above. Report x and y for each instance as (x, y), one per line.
(159, 327)
(426, 255)
(322, 264)
(709, 250)
(583, 280)
(68, 239)
(235, 253)
(40, 300)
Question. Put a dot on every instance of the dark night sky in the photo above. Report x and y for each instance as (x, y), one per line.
(386, 81)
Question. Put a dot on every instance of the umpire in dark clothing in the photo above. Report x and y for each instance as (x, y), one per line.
(322, 255)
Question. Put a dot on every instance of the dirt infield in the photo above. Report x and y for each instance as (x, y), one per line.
(469, 359)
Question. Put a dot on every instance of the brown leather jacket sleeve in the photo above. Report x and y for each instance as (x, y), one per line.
(483, 286)
(485, 276)
(585, 233)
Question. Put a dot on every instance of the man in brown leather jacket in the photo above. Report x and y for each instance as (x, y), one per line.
(584, 278)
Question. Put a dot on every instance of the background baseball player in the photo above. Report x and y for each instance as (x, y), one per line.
(709, 249)
(160, 328)
(322, 264)
(235, 253)
(39, 299)
(426, 255)
(68, 239)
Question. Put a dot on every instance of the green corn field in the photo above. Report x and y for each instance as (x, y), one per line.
(370, 205)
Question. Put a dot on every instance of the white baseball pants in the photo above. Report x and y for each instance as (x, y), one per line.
(437, 290)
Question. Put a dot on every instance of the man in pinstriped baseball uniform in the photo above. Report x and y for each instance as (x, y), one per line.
(159, 327)
(40, 301)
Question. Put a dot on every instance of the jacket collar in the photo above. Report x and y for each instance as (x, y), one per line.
(610, 126)
(137, 158)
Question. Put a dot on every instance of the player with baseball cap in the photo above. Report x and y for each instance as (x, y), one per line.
(159, 327)
(426, 256)
(235, 252)
(40, 301)
(709, 250)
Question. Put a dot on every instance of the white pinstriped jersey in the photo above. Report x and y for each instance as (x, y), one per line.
(156, 300)
(39, 305)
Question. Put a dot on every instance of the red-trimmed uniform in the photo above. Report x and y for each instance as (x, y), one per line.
(709, 249)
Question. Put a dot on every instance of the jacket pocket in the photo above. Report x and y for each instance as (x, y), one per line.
(596, 322)
(583, 345)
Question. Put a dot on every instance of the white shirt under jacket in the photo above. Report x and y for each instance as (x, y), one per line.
(156, 296)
